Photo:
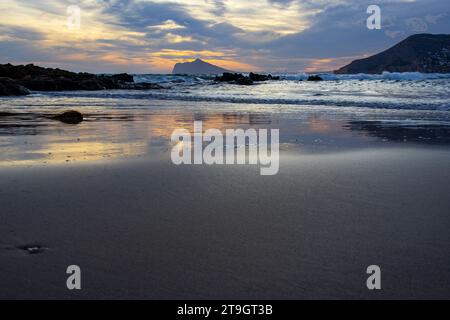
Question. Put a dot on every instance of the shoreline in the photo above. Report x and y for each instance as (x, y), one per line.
(27, 138)
(356, 187)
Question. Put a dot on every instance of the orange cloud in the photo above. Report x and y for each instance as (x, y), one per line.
(329, 64)
(233, 65)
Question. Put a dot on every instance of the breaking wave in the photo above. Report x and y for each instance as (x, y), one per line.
(199, 79)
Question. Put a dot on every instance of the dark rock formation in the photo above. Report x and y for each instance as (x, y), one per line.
(425, 53)
(262, 77)
(145, 86)
(245, 81)
(92, 85)
(69, 117)
(123, 77)
(315, 78)
(36, 78)
(32, 71)
(9, 87)
(238, 78)
(229, 77)
(258, 77)
(197, 67)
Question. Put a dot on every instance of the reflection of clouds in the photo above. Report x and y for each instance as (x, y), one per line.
(162, 125)
(91, 151)
(319, 125)
(140, 134)
(57, 152)
(111, 136)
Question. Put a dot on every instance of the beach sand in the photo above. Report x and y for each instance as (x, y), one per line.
(144, 228)
(356, 187)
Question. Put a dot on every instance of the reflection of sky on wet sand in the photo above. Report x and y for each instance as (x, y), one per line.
(100, 137)
(142, 133)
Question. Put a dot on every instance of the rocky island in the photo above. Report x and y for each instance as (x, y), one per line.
(197, 66)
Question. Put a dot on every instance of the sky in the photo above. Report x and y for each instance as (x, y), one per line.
(150, 36)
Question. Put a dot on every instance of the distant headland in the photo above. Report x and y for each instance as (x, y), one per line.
(426, 53)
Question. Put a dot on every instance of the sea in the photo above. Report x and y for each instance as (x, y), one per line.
(363, 180)
(341, 111)
(409, 91)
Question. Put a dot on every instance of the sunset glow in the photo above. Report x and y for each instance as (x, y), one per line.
(144, 36)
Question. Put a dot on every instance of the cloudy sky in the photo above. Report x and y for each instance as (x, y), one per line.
(150, 36)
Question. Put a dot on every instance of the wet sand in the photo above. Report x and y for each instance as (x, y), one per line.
(354, 189)
(148, 229)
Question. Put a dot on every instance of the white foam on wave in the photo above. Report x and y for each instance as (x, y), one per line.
(170, 79)
(389, 91)
(397, 76)
(305, 100)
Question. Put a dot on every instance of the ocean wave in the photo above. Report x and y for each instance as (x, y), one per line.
(168, 79)
(396, 76)
(412, 91)
(306, 101)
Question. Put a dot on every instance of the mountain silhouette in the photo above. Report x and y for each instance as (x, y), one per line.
(425, 53)
(197, 67)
